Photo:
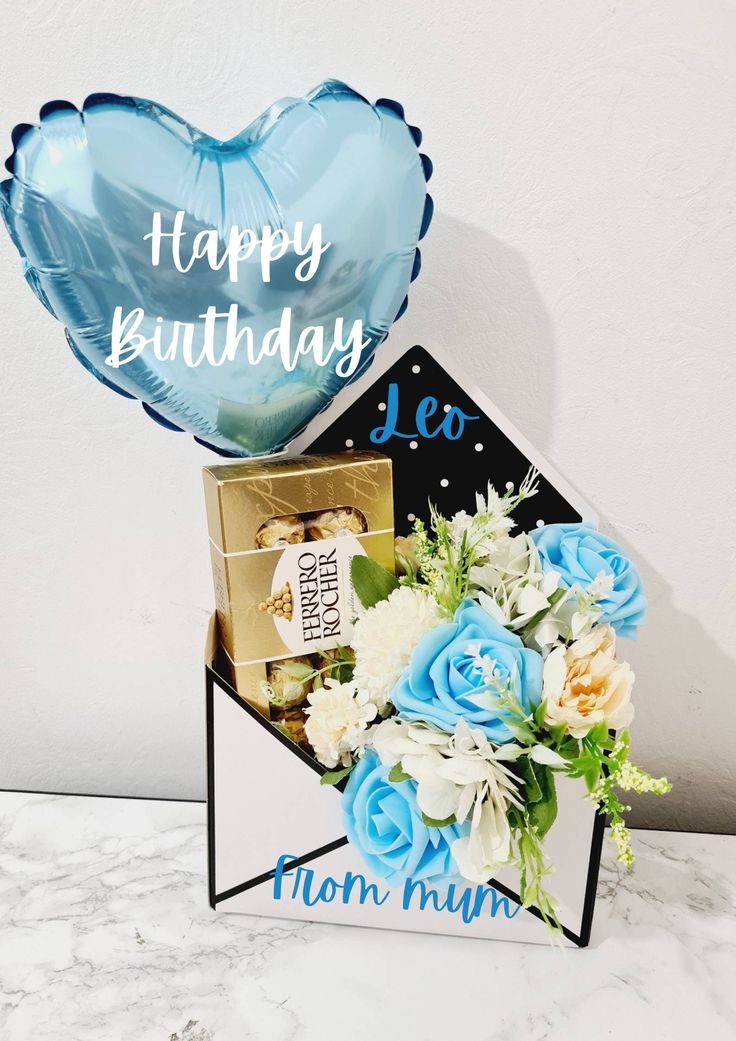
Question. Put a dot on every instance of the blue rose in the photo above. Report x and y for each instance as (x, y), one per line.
(385, 824)
(458, 669)
(579, 553)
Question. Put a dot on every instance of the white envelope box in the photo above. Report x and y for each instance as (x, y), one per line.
(277, 840)
(277, 845)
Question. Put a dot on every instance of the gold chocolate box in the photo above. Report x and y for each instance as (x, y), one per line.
(283, 533)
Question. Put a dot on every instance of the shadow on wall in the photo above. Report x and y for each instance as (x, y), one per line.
(678, 730)
(478, 302)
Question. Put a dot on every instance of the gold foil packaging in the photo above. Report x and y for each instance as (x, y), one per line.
(283, 533)
(329, 524)
(279, 532)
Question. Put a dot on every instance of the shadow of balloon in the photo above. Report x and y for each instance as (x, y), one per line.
(476, 300)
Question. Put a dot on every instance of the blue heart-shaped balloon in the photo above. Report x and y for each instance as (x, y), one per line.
(84, 190)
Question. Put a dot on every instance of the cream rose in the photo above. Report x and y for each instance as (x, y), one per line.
(584, 685)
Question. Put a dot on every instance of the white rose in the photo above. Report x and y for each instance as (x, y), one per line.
(584, 685)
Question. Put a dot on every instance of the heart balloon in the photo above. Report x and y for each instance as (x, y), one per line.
(236, 286)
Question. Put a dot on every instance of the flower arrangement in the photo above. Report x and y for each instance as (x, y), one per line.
(474, 679)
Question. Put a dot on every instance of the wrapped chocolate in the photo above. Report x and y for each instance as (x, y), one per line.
(291, 722)
(288, 681)
(330, 524)
(279, 532)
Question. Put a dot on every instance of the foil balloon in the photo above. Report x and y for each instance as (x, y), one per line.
(234, 287)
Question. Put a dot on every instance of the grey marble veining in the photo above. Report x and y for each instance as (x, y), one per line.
(105, 934)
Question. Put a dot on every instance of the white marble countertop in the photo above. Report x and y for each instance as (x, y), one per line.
(105, 934)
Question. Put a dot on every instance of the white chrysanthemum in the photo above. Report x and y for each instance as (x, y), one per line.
(385, 636)
(458, 775)
(337, 718)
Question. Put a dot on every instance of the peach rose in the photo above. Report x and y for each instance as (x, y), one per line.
(584, 685)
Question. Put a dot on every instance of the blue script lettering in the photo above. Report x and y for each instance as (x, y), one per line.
(450, 426)
(303, 886)
(469, 902)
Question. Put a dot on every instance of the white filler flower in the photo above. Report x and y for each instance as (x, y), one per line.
(338, 716)
(385, 636)
(512, 586)
(458, 775)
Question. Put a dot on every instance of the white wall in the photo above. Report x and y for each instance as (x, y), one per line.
(581, 263)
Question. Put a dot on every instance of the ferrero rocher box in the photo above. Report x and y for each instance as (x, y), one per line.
(283, 533)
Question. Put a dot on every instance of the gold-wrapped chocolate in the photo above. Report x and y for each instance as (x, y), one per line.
(291, 722)
(329, 524)
(279, 532)
(288, 681)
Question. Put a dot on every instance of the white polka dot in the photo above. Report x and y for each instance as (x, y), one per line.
(479, 447)
(444, 482)
(416, 368)
(410, 517)
(413, 444)
(382, 406)
(349, 443)
(540, 523)
(446, 408)
(509, 486)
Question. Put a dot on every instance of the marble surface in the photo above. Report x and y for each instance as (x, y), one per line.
(105, 934)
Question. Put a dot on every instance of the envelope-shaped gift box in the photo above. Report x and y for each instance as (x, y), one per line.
(276, 836)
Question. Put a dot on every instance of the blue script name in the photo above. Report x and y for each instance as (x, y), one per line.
(451, 425)
(470, 902)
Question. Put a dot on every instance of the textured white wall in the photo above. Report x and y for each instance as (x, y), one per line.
(581, 264)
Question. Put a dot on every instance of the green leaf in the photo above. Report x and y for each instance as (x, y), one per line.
(432, 823)
(396, 774)
(558, 735)
(343, 672)
(335, 776)
(372, 583)
(588, 767)
(527, 770)
(598, 736)
(520, 730)
(542, 812)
